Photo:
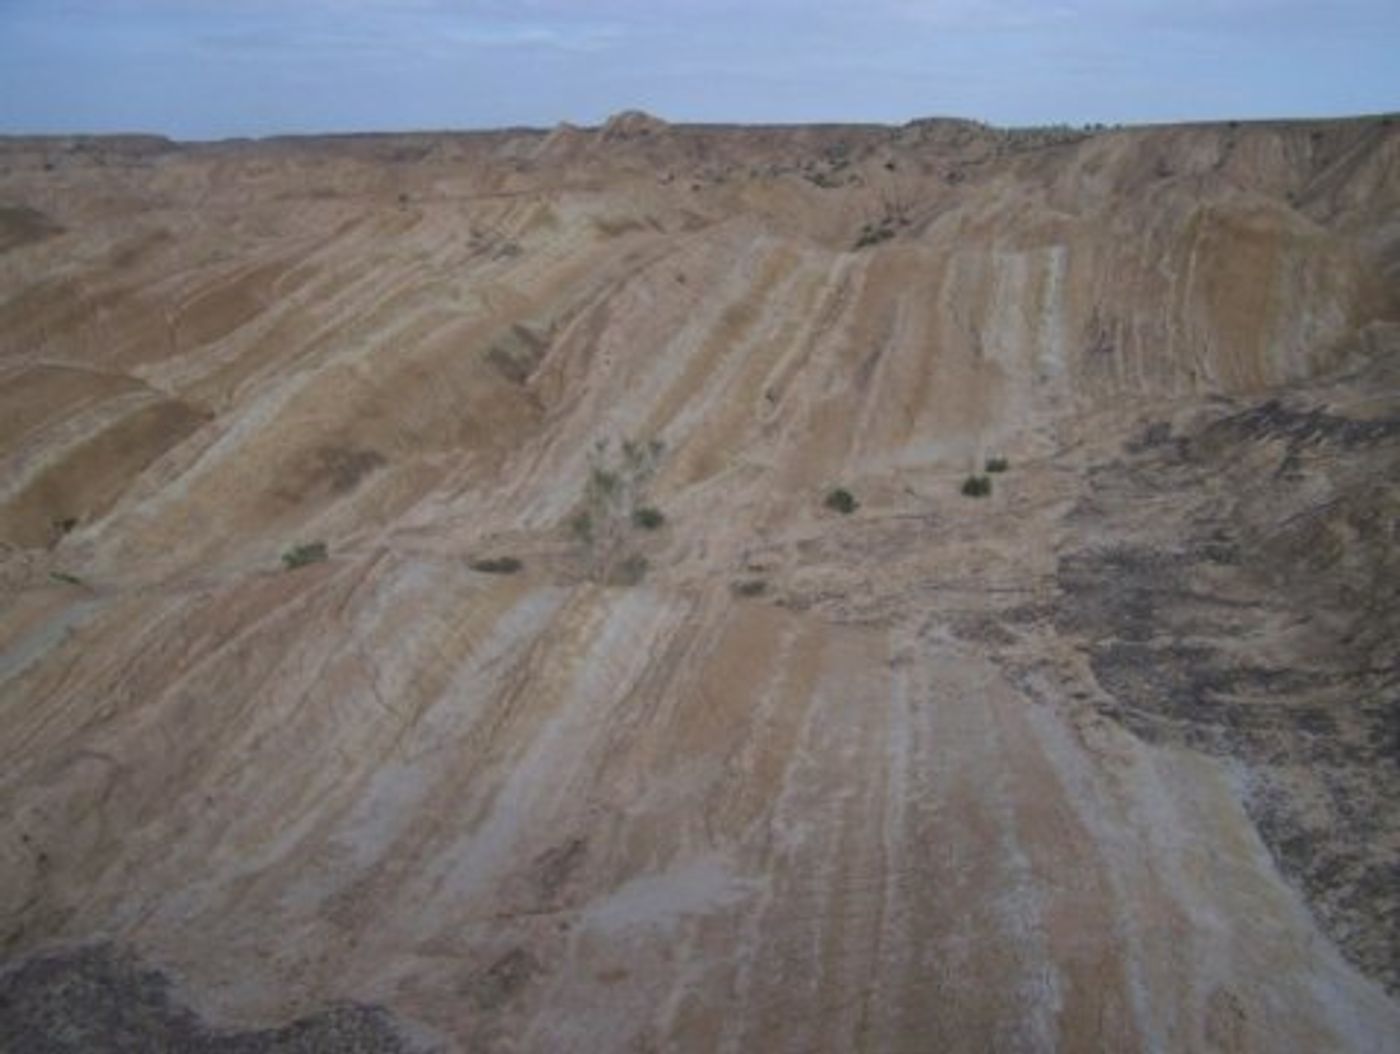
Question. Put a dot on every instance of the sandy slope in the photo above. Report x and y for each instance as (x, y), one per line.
(1102, 762)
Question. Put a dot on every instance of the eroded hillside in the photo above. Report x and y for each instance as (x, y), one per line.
(1104, 760)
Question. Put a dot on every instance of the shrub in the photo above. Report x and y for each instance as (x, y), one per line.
(496, 565)
(306, 553)
(582, 526)
(612, 504)
(874, 234)
(606, 482)
(977, 486)
(753, 587)
(997, 464)
(842, 500)
(629, 572)
(66, 578)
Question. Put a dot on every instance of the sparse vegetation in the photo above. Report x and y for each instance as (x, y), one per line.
(631, 570)
(66, 578)
(842, 500)
(977, 486)
(306, 553)
(752, 587)
(997, 464)
(612, 507)
(582, 526)
(517, 352)
(496, 565)
(874, 234)
(894, 214)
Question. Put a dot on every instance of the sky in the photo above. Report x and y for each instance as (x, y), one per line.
(208, 69)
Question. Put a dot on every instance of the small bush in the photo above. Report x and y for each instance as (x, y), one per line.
(307, 553)
(629, 572)
(977, 486)
(66, 578)
(612, 507)
(753, 587)
(873, 234)
(997, 464)
(842, 501)
(496, 565)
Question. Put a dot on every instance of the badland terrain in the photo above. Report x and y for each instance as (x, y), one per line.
(698, 588)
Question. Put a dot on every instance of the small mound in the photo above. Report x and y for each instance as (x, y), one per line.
(632, 124)
(563, 137)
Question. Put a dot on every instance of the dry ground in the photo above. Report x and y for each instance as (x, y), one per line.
(1103, 761)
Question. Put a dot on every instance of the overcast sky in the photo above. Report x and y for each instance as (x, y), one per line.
(199, 69)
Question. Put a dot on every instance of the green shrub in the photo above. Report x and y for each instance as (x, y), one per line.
(582, 526)
(629, 572)
(753, 587)
(496, 565)
(977, 486)
(874, 234)
(997, 464)
(306, 553)
(66, 578)
(612, 505)
(842, 500)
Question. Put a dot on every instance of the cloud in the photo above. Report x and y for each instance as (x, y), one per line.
(986, 15)
(356, 30)
(562, 38)
(1223, 16)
